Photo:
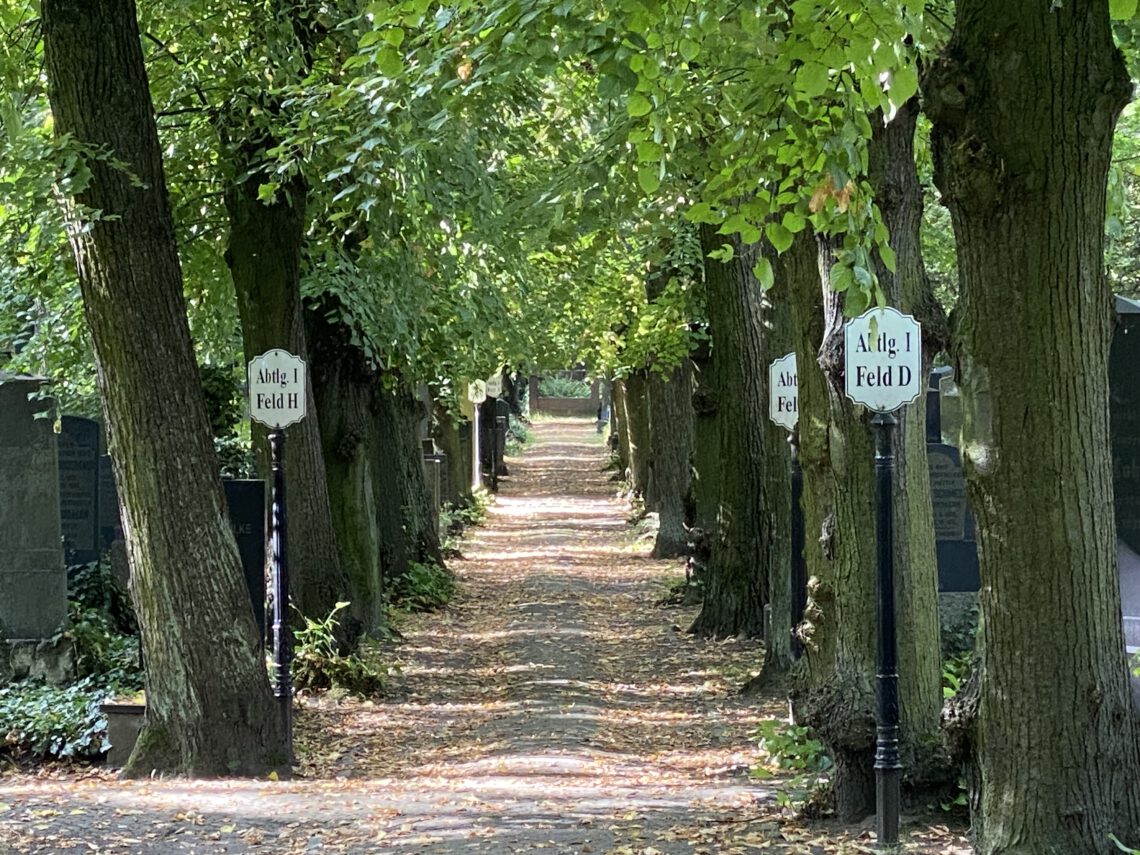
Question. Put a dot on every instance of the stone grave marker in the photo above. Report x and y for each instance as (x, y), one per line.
(33, 581)
(1124, 412)
(79, 489)
(245, 500)
(954, 535)
(110, 525)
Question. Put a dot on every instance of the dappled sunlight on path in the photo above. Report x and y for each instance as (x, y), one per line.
(553, 706)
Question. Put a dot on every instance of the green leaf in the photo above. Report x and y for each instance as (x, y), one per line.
(701, 212)
(780, 237)
(638, 105)
(649, 152)
(266, 191)
(764, 273)
(689, 49)
(390, 63)
(649, 177)
(811, 79)
(904, 82)
(888, 256)
(1122, 10)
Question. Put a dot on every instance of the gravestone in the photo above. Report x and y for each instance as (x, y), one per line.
(954, 535)
(245, 500)
(1124, 412)
(110, 525)
(33, 581)
(79, 489)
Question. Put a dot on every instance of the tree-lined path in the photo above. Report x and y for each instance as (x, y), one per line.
(553, 706)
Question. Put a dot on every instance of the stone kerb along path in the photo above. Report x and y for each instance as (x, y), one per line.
(554, 706)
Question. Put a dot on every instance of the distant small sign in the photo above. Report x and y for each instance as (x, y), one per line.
(277, 382)
(494, 386)
(882, 359)
(783, 392)
(477, 391)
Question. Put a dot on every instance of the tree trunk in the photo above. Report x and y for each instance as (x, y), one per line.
(892, 173)
(621, 422)
(406, 531)
(209, 708)
(834, 691)
(736, 592)
(446, 435)
(1023, 101)
(264, 257)
(706, 464)
(777, 491)
(671, 440)
(637, 427)
(346, 388)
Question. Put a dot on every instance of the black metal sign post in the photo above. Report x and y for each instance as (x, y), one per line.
(888, 764)
(278, 382)
(279, 570)
(882, 364)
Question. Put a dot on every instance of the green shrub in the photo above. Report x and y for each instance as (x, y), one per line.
(791, 748)
(519, 435)
(955, 672)
(54, 721)
(424, 588)
(318, 666)
(563, 387)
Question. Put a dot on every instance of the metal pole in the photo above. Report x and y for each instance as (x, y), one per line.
(799, 568)
(282, 642)
(888, 765)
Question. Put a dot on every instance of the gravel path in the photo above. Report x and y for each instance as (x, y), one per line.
(553, 707)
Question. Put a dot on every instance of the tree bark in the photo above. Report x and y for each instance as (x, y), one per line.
(407, 535)
(209, 708)
(1023, 102)
(264, 257)
(637, 428)
(446, 435)
(706, 463)
(776, 341)
(736, 590)
(834, 692)
(345, 389)
(621, 422)
(671, 441)
(898, 193)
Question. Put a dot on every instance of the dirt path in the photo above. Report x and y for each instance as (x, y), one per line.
(553, 707)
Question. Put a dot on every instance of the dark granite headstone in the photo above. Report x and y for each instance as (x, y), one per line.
(1124, 409)
(955, 538)
(246, 503)
(79, 488)
(110, 525)
(33, 582)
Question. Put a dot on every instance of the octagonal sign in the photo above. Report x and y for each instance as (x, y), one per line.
(783, 392)
(277, 381)
(882, 359)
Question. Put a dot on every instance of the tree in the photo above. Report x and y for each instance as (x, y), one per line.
(209, 708)
(1023, 102)
(736, 584)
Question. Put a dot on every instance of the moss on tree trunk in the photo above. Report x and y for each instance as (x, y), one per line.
(209, 707)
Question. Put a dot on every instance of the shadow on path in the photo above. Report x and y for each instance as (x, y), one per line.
(554, 706)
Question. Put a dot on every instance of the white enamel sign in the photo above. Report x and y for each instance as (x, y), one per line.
(783, 392)
(882, 359)
(277, 382)
(477, 392)
(495, 386)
